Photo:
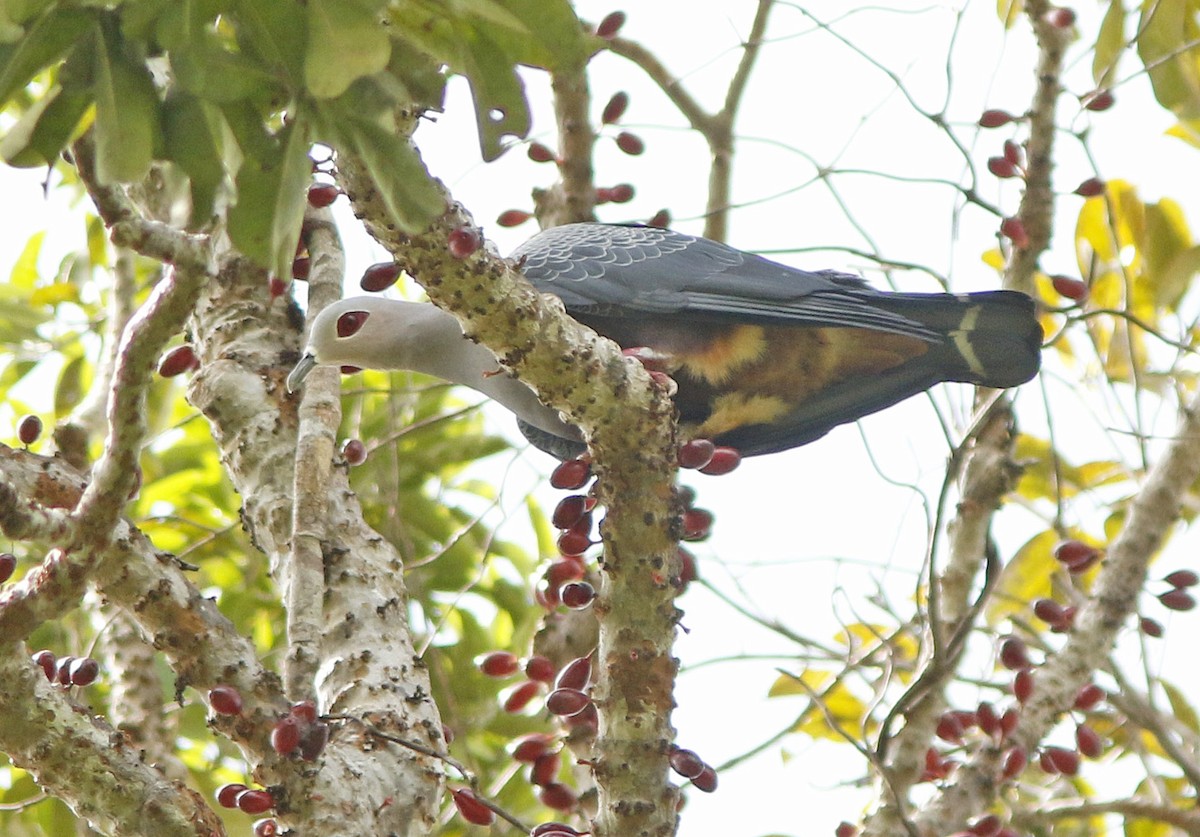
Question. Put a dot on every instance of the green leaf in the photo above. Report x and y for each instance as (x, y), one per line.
(275, 30)
(43, 130)
(194, 139)
(1166, 31)
(127, 127)
(551, 36)
(265, 222)
(24, 274)
(410, 194)
(1180, 706)
(50, 37)
(1168, 243)
(345, 43)
(500, 107)
(1110, 44)
(70, 389)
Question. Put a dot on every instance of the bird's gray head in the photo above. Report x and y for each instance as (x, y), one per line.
(365, 331)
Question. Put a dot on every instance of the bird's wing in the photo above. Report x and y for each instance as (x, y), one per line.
(612, 270)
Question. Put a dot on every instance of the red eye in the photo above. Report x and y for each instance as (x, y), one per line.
(350, 322)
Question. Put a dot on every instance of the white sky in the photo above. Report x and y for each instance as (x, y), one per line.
(783, 520)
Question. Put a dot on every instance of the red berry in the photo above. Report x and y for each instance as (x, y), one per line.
(562, 571)
(62, 674)
(1076, 290)
(577, 595)
(706, 781)
(545, 769)
(1088, 741)
(532, 746)
(1099, 100)
(499, 664)
(539, 668)
(1001, 167)
(621, 193)
(995, 118)
(313, 741)
(266, 828)
(347, 369)
(540, 153)
(949, 728)
(575, 674)
(572, 542)
(225, 700)
(687, 567)
(28, 429)
(1088, 696)
(227, 794)
(1008, 722)
(1064, 761)
(631, 144)
(1182, 578)
(45, 658)
(1049, 611)
(569, 511)
(354, 452)
(696, 454)
(301, 267)
(8, 566)
(1014, 153)
(285, 736)
(986, 826)
(724, 460)
(304, 711)
(588, 719)
(380, 276)
(546, 828)
(660, 219)
(566, 701)
(83, 671)
(610, 25)
(255, 801)
(1014, 763)
(1090, 188)
(322, 194)
(1023, 685)
(520, 696)
(1014, 230)
(989, 721)
(615, 108)
(845, 829)
(1061, 18)
(276, 287)
(463, 241)
(471, 808)
(1151, 627)
(571, 475)
(697, 524)
(558, 796)
(686, 763)
(512, 218)
(1013, 655)
(177, 361)
(1177, 599)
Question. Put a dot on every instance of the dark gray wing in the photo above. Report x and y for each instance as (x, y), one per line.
(615, 270)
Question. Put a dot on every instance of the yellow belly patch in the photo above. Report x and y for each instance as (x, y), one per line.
(722, 357)
(735, 409)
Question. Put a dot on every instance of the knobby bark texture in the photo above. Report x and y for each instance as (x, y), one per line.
(627, 420)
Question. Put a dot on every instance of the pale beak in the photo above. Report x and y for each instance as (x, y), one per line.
(297, 375)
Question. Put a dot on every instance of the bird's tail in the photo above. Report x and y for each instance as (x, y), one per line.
(992, 338)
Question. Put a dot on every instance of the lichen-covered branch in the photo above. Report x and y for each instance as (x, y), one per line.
(86, 763)
(302, 576)
(627, 422)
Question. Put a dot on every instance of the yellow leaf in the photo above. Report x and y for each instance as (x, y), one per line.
(54, 294)
(1008, 11)
(1025, 578)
